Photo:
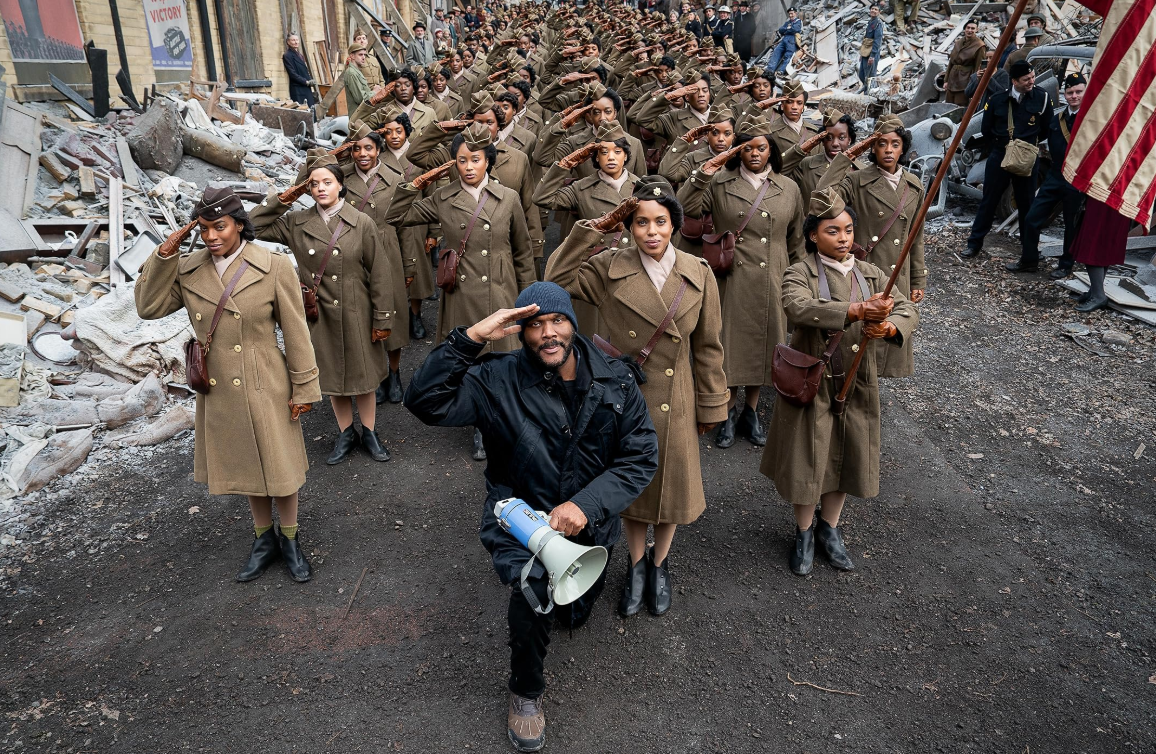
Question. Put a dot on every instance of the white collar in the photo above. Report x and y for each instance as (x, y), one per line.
(1016, 94)
(697, 114)
(476, 191)
(329, 214)
(366, 176)
(843, 267)
(222, 263)
(755, 179)
(659, 270)
(505, 132)
(616, 184)
(399, 153)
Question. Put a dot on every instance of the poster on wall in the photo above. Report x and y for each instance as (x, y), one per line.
(168, 23)
(42, 31)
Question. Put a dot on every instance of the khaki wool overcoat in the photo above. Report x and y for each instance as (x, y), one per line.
(753, 320)
(412, 238)
(810, 450)
(356, 293)
(680, 391)
(807, 170)
(498, 262)
(246, 443)
(784, 136)
(400, 267)
(874, 201)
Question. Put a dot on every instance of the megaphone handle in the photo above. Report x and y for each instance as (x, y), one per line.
(528, 592)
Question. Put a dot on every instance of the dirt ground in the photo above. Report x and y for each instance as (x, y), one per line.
(1003, 600)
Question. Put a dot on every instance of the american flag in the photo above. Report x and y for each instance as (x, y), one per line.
(1112, 155)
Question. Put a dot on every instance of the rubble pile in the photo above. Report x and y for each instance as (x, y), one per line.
(78, 368)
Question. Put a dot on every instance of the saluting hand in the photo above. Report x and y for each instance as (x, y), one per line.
(614, 217)
(453, 126)
(697, 133)
(578, 156)
(576, 76)
(571, 118)
(739, 87)
(382, 93)
(813, 142)
(501, 324)
(568, 519)
(682, 91)
(172, 244)
(714, 164)
(768, 103)
(293, 193)
(855, 151)
(430, 177)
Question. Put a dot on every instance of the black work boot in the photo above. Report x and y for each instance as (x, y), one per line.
(373, 445)
(972, 250)
(479, 453)
(416, 327)
(381, 394)
(803, 554)
(265, 552)
(726, 431)
(831, 543)
(1061, 272)
(393, 386)
(343, 448)
(1022, 265)
(632, 593)
(299, 568)
(658, 592)
(750, 427)
(526, 723)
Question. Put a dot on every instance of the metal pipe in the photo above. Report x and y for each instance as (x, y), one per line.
(1009, 31)
(207, 40)
(219, 5)
(120, 50)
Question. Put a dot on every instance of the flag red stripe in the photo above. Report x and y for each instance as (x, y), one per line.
(1108, 139)
(1139, 152)
(1146, 206)
(1106, 65)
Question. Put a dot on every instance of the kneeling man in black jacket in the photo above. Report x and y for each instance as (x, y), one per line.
(565, 429)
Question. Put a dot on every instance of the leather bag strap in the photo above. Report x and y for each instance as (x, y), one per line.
(328, 253)
(894, 216)
(473, 220)
(372, 185)
(644, 354)
(758, 200)
(224, 298)
(1011, 124)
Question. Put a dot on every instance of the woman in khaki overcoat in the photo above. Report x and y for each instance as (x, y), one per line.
(753, 321)
(361, 173)
(256, 392)
(591, 197)
(815, 456)
(875, 193)
(355, 300)
(498, 261)
(685, 396)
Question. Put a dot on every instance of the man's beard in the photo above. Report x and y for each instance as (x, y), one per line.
(567, 349)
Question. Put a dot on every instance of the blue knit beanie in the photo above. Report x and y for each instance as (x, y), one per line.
(551, 298)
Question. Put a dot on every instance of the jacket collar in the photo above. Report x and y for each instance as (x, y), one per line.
(199, 276)
(594, 366)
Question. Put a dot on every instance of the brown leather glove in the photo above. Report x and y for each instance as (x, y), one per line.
(874, 309)
(578, 156)
(917, 295)
(614, 217)
(813, 142)
(430, 177)
(293, 193)
(569, 52)
(508, 42)
(645, 71)
(382, 94)
(573, 117)
(768, 103)
(697, 133)
(714, 164)
(739, 87)
(576, 76)
(172, 244)
(296, 409)
(876, 330)
(454, 126)
(409, 281)
(499, 74)
(855, 151)
(682, 91)
(430, 244)
(379, 335)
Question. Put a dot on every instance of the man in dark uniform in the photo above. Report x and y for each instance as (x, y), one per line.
(1055, 189)
(567, 430)
(744, 22)
(723, 33)
(1031, 112)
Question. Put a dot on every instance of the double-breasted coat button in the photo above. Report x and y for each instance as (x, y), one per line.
(462, 226)
(236, 382)
(632, 334)
(854, 348)
(881, 213)
(676, 339)
(463, 278)
(236, 315)
(486, 226)
(763, 241)
(484, 278)
(485, 253)
(665, 407)
(669, 372)
(896, 241)
(334, 278)
(237, 349)
(874, 239)
(336, 253)
(764, 214)
(741, 214)
(762, 264)
(265, 203)
(212, 381)
(198, 316)
(312, 252)
(335, 302)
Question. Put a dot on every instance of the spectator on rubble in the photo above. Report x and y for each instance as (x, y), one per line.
(247, 436)
(723, 34)
(1032, 38)
(300, 80)
(356, 87)
(787, 44)
(1036, 21)
(906, 11)
(872, 45)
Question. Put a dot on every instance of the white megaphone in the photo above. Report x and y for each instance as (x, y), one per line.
(573, 568)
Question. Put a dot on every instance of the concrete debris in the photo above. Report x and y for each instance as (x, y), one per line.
(178, 419)
(155, 142)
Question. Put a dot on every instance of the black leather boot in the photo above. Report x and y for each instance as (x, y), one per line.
(726, 431)
(381, 395)
(416, 327)
(632, 593)
(1061, 272)
(658, 592)
(299, 568)
(479, 453)
(343, 448)
(750, 427)
(265, 552)
(373, 445)
(393, 383)
(803, 554)
(831, 543)
(1021, 265)
(972, 250)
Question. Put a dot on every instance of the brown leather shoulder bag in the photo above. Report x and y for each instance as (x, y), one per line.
(718, 249)
(447, 277)
(196, 355)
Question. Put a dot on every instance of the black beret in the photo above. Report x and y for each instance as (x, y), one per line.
(1019, 68)
(1074, 79)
